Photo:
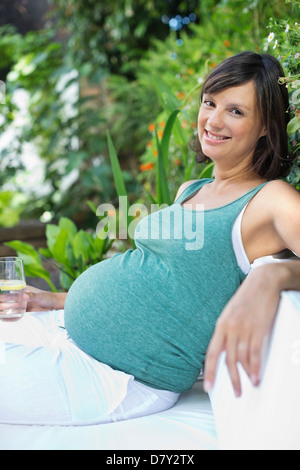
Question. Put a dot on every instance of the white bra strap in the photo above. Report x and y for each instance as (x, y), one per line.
(240, 252)
(238, 246)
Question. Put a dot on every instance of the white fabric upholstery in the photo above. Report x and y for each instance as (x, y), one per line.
(189, 425)
(267, 417)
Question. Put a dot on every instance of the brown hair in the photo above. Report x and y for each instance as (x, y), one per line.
(271, 158)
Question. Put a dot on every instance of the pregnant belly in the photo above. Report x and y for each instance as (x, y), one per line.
(110, 303)
(135, 320)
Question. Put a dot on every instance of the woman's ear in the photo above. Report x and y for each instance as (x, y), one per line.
(263, 132)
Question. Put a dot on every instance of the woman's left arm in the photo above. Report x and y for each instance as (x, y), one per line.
(248, 317)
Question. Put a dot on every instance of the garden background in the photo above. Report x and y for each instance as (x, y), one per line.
(100, 100)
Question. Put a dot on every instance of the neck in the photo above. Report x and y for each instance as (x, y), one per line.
(235, 176)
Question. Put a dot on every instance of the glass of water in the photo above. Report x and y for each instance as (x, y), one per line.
(12, 289)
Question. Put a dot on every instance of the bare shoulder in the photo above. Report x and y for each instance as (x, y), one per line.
(277, 203)
(285, 212)
(185, 185)
(272, 223)
(281, 194)
(276, 185)
(284, 207)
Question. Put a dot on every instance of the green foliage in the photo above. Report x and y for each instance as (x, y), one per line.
(283, 42)
(11, 46)
(111, 37)
(11, 206)
(32, 261)
(63, 133)
(163, 193)
(119, 181)
(72, 251)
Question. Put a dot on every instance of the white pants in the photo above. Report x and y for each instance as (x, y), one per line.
(46, 379)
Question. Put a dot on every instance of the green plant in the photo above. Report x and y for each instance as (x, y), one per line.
(71, 252)
(11, 45)
(283, 42)
(119, 182)
(11, 206)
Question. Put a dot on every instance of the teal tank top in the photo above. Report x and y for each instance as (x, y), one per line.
(151, 312)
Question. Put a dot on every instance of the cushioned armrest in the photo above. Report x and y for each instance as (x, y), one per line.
(267, 417)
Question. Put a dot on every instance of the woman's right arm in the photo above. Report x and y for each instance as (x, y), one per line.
(39, 300)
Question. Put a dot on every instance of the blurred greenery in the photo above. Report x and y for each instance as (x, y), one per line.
(111, 37)
(11, 206)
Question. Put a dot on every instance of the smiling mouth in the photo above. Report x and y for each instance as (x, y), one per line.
(219, 138)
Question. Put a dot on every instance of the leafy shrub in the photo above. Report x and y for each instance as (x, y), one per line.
(71, 251)
(283, 42)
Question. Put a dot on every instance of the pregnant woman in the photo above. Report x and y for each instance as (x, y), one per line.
(134, 331)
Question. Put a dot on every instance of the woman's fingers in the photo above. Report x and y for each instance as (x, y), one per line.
(241, 346)
(255, 359)
(39, 300)
(242, 327)
(231, 361)
(219, 344)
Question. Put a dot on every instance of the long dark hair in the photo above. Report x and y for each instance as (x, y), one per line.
(271, 158)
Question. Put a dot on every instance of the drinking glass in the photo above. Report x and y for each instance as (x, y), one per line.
(12, 288)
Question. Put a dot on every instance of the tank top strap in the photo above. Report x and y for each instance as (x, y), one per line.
(192, 189)
(239, 204)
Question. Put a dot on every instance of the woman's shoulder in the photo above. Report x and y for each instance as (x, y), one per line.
(280, 189)
(278, 196)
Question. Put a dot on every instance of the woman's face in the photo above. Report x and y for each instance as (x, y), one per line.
(229, 124)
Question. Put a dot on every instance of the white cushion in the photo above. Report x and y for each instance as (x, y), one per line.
(267, 417)
(187, 426)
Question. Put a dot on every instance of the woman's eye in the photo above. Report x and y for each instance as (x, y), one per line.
(208, 103)
(237, 112)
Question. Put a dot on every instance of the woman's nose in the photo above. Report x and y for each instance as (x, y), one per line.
(216, 120)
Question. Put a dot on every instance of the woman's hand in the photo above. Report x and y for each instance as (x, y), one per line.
(243, 326)
(39, 300)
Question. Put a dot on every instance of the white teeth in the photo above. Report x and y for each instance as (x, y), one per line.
(215, 137)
